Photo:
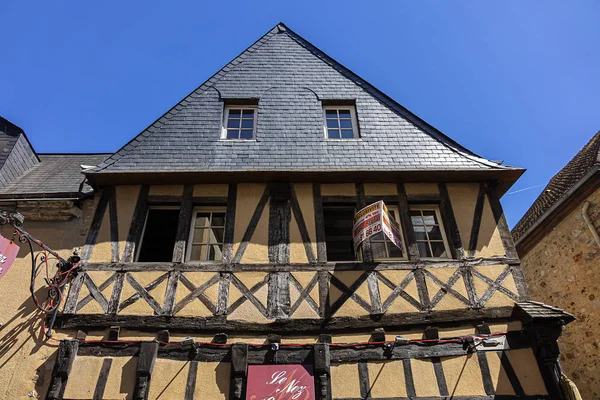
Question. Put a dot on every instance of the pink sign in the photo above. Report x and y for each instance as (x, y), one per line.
(8, 253)
(280, 382)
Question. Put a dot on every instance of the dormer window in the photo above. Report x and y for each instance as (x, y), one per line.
(340, 122)
(239, 122)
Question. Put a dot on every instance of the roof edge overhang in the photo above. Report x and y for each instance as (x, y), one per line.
(44, 196)
(504, 178)
(561, 208)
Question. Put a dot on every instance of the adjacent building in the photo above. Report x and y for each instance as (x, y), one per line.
(217, 257)
(558, 243)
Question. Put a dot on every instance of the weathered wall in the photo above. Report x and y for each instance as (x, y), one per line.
(562, 270)
(26, 360)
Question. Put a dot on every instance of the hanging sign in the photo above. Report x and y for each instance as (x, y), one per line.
(373, 219)
(8, 253)
(280, 382)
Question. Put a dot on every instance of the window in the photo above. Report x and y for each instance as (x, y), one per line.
(338, 232)
(207, 233)
(340, 122)
(429, 232)
(381, 246)
(239, 122)
(158, 238)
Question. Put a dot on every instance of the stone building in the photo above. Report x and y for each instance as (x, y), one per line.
(557, 241)
(217, 256)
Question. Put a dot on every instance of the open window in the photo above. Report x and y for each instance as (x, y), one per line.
(429, 231)
(338, 221)
(158, 237)
(207, 234)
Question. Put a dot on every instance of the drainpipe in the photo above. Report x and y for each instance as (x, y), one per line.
(589, 223)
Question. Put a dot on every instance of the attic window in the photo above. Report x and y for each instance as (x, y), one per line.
(239, 122)
(340, 122)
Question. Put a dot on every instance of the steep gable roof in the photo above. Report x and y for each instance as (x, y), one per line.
(559, 187)
(290, 77)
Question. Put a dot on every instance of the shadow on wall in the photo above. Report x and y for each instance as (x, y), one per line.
(30, 318)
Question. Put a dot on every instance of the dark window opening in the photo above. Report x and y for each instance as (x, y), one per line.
(338, 232)
(158, 240)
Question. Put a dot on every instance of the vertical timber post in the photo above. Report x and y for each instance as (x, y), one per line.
(239, 370)
(322, 371)
(67, 350)
(544, 337)
(143, 371)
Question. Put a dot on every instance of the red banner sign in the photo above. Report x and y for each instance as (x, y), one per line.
(280, 382)
(8, 253)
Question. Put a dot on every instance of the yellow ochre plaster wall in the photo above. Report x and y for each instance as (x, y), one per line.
(562, 270)
(248, 196)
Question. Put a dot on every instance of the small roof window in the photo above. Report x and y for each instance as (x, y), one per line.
(239, 122)
(340, 122)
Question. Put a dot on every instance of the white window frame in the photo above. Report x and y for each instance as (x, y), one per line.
(396, 211)
(192, 229)
(139, 247)
(352, 110)
(229, 107)
(435, 208)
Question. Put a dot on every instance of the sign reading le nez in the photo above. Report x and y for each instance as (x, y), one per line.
(280, 382)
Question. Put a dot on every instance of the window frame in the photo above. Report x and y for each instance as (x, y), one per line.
(152, 207)
(210, 209)
(436, 209)
(352, 109)
(396, 209)
(242, 107)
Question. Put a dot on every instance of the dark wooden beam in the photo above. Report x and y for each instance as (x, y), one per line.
(306, 241)
(228, 237)
(143, 373)
(190, 385)
(102, 379)
(505, 235)
(450, 225)
(252, 225)
(406, 224)
(92, 236)
(137, 225)
(183, 225)
(239, 370)
(361, 202)
(322, 365)
(67, 350)
(477, 214)
(114, 224)
(319, 223)
(279, 222)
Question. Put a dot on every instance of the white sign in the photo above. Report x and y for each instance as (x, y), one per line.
(373, 219)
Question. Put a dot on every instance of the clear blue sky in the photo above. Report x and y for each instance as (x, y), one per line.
(512, 80)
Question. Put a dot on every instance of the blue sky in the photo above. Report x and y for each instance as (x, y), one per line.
(511, 80)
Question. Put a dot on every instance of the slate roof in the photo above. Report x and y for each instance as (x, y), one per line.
(559, 186)
(57, 175)
(290, 77)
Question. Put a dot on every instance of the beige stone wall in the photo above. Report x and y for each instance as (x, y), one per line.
(563, 270)
(26, 360)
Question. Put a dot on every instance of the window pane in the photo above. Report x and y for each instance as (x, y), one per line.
(420, 232)
(216, 235)
(246, 134)
(218, 219)
(248, 114)
(215, 252)
(423, 249)
(202, 219)
(200, 235)
(332, 123)
(434, 233)
(331, 113)
(344, 113)
(346, 123)
(415, 217)
(347, 134)
(378, 249)
(429, 217)
(234, 113)
(233, 134)
(195, 254)
(247, 123)
(233, 123)
(333, 133)
(438, 249)
(393, 251)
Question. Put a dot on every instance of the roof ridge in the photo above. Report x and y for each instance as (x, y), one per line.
(159, 123)
(393, 104)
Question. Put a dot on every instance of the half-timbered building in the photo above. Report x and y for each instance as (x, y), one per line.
(219, 240)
